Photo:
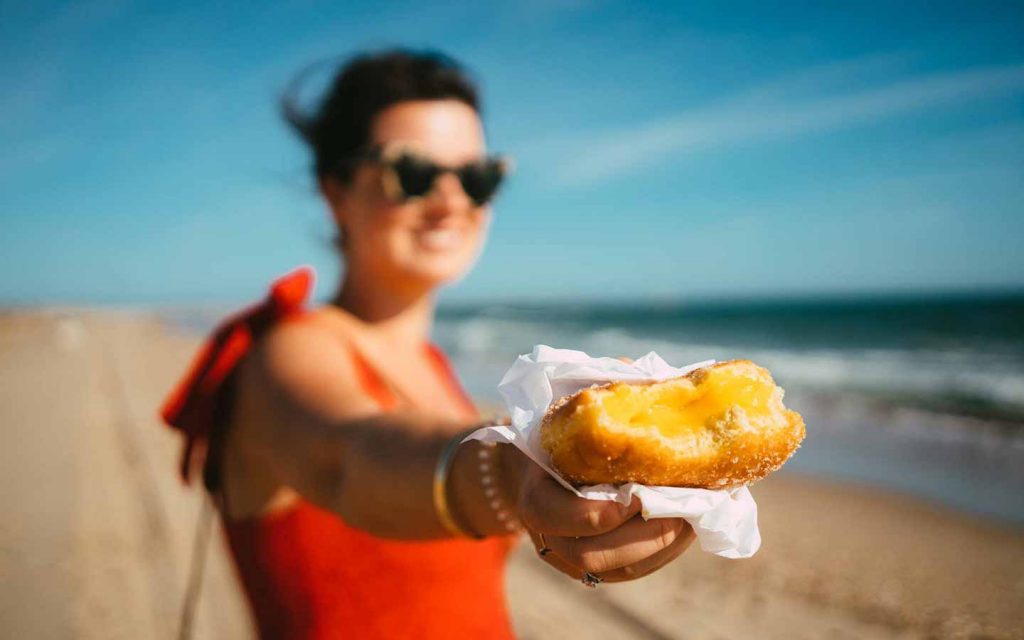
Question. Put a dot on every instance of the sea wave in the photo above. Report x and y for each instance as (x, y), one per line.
(968, 362)
(954, 379)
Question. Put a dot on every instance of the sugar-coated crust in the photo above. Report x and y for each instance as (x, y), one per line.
(587, 449)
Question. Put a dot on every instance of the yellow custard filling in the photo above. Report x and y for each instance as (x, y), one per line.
(723, 425)
(683, 407)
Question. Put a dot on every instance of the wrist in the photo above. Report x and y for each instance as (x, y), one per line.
(513, 464)
(482, 486)
(447, 502)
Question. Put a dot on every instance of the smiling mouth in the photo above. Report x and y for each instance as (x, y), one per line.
(441, 239)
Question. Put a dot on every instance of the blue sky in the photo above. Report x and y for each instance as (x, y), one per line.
(665, 150)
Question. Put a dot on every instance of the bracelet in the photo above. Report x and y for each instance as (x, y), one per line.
(491, 490)
(444, 463)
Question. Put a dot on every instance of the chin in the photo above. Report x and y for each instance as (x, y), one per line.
(438, 271)
(439, 278)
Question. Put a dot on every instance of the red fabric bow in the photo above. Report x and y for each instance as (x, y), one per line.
(194, 406)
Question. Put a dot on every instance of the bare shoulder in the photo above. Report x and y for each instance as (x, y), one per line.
(301, 345)
(305, 361)
(298, 378)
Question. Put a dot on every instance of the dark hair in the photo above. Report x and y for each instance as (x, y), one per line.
(340, 126)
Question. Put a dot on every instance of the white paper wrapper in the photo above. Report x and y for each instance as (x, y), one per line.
(725, 520)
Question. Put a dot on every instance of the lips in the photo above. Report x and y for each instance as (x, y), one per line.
(441, 239)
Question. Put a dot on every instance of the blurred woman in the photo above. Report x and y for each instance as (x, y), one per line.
(350, 506)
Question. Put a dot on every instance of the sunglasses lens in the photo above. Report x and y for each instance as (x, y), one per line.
(481, 180)
(415, 175)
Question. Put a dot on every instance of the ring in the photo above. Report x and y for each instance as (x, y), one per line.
(591, 579)
(544, 548)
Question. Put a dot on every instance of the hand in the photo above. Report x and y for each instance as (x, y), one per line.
(606, 539)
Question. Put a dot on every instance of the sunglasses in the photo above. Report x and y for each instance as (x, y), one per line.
(408, 174)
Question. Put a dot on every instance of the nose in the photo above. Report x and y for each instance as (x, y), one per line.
(447, 197)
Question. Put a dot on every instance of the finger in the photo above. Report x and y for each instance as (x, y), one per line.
(549, 558)
(652, 563)
(539, 543)
(550, 508)
(633, 542)
(554, 561)
(634, 571)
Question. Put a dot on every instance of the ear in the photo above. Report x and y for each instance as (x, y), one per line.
(330, 189)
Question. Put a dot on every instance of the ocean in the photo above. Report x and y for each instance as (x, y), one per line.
(923, 395)
(958, 355)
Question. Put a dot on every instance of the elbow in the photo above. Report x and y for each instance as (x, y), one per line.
(325, 478)
(354, 503)
(317, 473)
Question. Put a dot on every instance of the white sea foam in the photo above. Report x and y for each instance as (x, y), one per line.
(955, 379)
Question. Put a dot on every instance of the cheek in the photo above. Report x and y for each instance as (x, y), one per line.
(370, 218)
(477, 239)
(372, 236)
(373, 219)
(481, 228)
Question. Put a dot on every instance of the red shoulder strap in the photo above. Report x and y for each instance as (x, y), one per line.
(451, 378)
(372, 383)
(192, 407)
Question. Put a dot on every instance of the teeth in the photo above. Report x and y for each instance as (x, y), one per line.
(440, 239)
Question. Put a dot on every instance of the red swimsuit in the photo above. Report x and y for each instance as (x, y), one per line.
(310, 575)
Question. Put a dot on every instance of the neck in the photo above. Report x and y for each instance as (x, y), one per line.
(395, 315)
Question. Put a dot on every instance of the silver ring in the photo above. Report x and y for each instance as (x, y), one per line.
(544, 548)
(591, 579)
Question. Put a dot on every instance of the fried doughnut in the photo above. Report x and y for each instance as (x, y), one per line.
(719, 426)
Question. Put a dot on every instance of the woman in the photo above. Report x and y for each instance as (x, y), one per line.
(349, 504)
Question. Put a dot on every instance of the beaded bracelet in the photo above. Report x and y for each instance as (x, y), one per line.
(492, 492)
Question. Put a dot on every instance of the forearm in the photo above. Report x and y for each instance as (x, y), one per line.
(378, 475)
(375, 472)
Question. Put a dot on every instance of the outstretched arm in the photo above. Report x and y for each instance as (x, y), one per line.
(301, 409)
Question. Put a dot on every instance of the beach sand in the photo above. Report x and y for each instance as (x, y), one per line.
(97, 529)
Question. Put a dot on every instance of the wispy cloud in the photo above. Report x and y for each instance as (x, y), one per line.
(778, 111)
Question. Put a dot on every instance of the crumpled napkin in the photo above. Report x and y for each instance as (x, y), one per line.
(725, 520)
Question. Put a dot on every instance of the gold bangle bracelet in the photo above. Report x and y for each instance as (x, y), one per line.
(441, 470)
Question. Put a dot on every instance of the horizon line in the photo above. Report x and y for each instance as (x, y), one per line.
(793, 297)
